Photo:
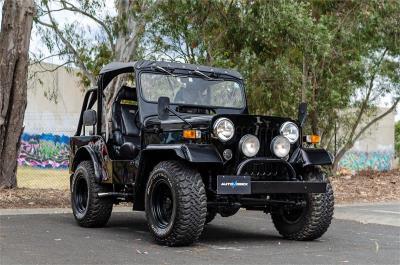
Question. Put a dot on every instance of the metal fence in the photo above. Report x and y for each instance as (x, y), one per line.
(46, 178)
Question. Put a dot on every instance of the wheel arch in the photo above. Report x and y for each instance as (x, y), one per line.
(200, 156)
(85, 153)
(148, 160)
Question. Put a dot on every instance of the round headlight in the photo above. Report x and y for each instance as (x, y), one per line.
(280, 146)
(224, 129)
(250, 145)
(290, 131)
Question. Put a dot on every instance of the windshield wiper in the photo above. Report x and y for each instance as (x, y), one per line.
(162, 69)
(204, 75)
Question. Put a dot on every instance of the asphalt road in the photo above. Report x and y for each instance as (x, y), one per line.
(246, 238)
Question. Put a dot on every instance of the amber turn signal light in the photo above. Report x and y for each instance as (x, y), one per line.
(191, 134)
(313, 139)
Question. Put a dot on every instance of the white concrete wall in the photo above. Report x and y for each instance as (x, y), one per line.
(379, 137)
(54, 101)
(375, 148)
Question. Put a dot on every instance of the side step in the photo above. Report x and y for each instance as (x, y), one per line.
(116, 195)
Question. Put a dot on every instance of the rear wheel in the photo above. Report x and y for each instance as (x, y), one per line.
(176, 204)
(89, 210)
(310, 221)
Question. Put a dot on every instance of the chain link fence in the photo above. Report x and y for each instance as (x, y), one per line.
(42, 178)
(43, 161)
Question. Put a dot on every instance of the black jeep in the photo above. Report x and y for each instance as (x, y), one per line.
(182, 147)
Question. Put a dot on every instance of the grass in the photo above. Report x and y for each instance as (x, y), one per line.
(35, 178)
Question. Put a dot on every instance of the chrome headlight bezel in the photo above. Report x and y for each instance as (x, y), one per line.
(290, 131)
(218, 131)
(283, 142)
(244, 148)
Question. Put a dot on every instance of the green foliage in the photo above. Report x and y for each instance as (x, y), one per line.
(335, 55)
(397, 138)
(329, 51)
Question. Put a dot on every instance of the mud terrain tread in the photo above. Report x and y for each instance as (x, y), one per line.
(99, 209)
(191, 204)
(319, 217)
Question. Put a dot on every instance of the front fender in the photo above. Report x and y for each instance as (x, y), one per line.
(87, 153)
(311, 156)
(195, 153)
(154, 153)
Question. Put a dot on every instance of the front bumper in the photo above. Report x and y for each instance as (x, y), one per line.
(267, 187)
(293, 185)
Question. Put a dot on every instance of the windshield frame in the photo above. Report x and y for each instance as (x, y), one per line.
(228, 78)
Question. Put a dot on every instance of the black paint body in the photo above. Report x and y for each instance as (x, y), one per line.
(162, 140)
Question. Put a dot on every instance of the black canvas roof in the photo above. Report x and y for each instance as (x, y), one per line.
(116, 68)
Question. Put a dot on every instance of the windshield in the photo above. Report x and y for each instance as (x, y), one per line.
(192, 90)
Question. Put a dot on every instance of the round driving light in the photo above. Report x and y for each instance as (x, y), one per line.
(227, 154)
(290, 131)
(249, 145)
(280, 146)
(224, 129)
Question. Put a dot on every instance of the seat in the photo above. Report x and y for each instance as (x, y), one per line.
(125, 133)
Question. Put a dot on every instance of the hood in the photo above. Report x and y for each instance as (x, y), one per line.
(173, 122)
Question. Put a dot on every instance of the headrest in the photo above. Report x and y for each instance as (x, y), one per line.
(126, 93)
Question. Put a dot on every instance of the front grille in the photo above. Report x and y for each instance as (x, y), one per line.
(261, 171)
(264, 132)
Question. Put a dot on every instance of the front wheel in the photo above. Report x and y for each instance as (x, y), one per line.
(310, 221)
(176, 204)
(89, 210)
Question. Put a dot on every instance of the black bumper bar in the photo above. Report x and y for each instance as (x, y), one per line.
(266, 160)
(263, 187)
(292, 186)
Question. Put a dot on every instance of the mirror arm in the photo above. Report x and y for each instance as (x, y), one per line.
(302, 115)
(177, 115)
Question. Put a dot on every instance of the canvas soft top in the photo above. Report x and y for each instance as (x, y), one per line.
(109, 71)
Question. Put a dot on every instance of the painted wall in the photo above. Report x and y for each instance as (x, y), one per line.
(54, 103)
(376, 160)
(374, 149)
(44, 151)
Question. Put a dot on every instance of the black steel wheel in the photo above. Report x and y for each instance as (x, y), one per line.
(81, 195)
(162, 202)
(89, 210)
(310, 221)
(175, 204)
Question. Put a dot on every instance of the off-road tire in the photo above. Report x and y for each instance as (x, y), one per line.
(189, 204)
(210, 216)
(98, 210)
(317, 216)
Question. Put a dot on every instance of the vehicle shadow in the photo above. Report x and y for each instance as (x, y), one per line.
(214, 233)
(135, 224)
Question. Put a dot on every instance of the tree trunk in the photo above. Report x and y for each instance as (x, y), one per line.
(15, 34)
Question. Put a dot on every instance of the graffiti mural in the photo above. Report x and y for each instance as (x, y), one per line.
(44, 150)
(377, 160)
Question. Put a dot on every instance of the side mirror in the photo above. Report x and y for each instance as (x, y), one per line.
(302, 113)
(89, 117)
(163, 108)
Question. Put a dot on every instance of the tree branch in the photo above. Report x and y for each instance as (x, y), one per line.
(69, 46)
(391, 109)
(367, 98)
(73, 8)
